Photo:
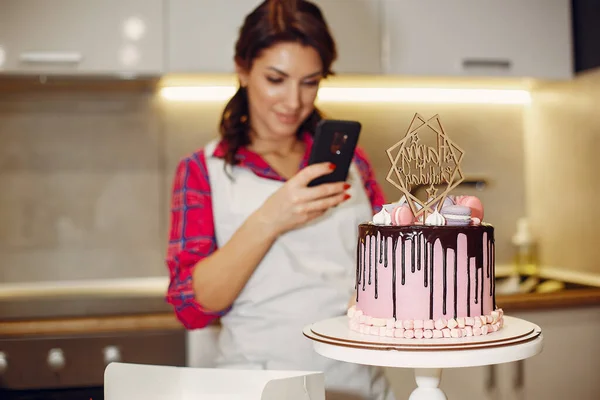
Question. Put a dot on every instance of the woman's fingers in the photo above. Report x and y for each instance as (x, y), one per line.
(321, 204)
(296, 203)
(307, 174)
(324, 190)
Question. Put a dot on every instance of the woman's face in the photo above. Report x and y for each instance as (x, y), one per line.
(282, 87)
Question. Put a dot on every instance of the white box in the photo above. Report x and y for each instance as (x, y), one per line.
(154, 382)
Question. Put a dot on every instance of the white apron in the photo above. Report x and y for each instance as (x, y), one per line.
(306, 276)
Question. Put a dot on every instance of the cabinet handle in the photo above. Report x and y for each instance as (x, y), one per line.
(51, 57)
(111, 354)
(386, 61)
(490, 382)
(56, 359)
(486, 63)
(3, 362)
(385, 41)
(520, 375)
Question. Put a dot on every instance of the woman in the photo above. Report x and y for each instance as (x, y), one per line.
(249, 241)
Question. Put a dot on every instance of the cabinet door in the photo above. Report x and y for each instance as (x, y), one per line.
(202, 34)
(81, 37)
(568, 366)
(478, 38)
(356, 28)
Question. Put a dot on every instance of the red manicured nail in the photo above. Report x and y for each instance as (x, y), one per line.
(331, 166)
(346, 186)
(346, 196)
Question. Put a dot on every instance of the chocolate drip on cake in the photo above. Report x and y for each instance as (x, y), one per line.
(394, 247)
(403, 261)
(476, 286)
(425, 264)
(431, 248)
(419, 239)
(380, 247)
(364, 263)
(412, 253)
(370, 257)
(481, 288)
(376, 267)
(448, 237)
(358, 264)
(468, 287)
(445, 281)
(493, 294)
(455, 285)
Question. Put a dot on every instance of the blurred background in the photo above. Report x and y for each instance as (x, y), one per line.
(100, 99)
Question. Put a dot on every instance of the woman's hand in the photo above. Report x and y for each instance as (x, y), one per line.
(295, 204)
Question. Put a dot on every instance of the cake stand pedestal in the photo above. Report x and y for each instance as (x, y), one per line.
(517, 340)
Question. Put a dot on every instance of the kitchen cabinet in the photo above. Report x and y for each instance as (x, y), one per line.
(355, 26)
(586, 32)
(202, 34)
(71, 361)
(73, 37)
(511, 38)
(567, 368)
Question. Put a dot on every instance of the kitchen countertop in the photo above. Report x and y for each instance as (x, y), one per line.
(136, 304)
(89, 298)
(148, 320)
(543, 301)
(90, 325)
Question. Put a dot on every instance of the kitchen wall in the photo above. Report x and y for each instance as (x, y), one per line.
(86, 174)
(562, 165)
(81, 177)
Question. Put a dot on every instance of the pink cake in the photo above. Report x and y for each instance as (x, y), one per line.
(426, 280)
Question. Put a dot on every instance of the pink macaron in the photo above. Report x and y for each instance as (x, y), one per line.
(473, 203)
(402, 215)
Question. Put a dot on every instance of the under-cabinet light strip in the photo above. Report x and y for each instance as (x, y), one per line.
(365, 95)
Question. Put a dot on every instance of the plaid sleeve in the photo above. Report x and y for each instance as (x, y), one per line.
(191, 238)
(372, 187)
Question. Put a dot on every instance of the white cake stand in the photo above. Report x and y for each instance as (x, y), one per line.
(517, 340)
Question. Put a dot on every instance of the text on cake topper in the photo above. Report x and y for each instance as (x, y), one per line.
(427, 157)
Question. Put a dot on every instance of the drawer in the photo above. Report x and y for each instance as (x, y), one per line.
(77, 361)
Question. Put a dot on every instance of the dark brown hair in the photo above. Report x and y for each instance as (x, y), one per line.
(272, 22)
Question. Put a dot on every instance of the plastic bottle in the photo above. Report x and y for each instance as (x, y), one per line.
(526, 261)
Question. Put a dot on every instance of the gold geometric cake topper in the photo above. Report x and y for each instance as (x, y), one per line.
(425, 157)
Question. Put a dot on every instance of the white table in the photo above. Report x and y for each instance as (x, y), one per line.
(517, 340)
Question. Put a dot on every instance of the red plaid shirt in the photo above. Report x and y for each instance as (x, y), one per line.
(192, 232)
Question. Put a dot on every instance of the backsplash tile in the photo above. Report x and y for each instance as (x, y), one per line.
(81, 187)
(83, 133)
(62, 210)
(188, 126)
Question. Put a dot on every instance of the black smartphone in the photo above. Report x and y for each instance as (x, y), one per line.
(335, 142)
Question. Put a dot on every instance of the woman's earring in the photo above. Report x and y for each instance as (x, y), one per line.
(244, 119)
